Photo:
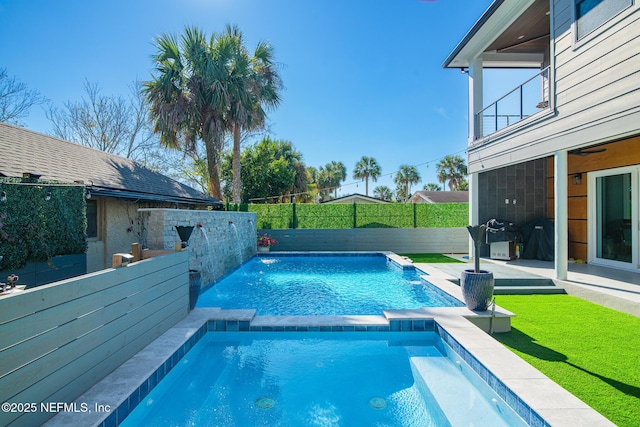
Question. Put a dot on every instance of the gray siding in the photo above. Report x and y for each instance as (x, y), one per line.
(597, 87)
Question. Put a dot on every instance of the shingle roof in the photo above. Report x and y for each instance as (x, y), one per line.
(440, 197)
(22, 150)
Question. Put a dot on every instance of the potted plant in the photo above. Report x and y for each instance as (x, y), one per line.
(265, 242)
(477, 285)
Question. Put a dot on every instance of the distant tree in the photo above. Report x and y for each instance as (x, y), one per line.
(464, 185)
(367, 167)
(113, 124)
(329, 178)
(253, 87)
(383, 192)
(451, 170)
(313, 190)
(269, 168)
(188, 96)
(431, 187)
(16, 99)
(405, 177)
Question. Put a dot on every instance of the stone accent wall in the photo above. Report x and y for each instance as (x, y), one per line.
(220, 241)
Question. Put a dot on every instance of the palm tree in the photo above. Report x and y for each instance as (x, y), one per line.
(431, 187)
(253, 86)
(406, 176)
(365, 168)
(330, 176)
(383, 192)
(453, 170)
(188, 96)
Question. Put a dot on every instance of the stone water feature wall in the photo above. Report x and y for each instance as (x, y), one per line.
(220, 241)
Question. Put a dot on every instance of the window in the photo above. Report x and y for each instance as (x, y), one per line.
(590, 14)
(92, 219)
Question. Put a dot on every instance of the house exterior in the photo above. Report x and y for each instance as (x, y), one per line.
(423, 196)
(566, 145)
(355, 198)
(115, 187)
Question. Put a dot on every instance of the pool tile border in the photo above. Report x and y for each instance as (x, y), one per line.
(201, 321)
(238, 321)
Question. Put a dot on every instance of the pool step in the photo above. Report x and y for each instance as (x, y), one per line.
(524, 286)
(462, 404)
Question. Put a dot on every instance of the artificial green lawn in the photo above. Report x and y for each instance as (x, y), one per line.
(431, 258)
(590, 350)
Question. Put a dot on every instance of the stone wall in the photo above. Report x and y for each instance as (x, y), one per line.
(219, 242)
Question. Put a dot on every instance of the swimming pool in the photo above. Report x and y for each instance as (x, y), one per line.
(321, 379)
(324, 284)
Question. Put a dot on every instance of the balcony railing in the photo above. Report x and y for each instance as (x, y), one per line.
(522, 102)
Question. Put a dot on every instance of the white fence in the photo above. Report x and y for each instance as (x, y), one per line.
(58, 340)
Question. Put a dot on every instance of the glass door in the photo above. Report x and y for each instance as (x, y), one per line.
(613, 198)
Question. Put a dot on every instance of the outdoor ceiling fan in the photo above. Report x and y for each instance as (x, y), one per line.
(585, 152)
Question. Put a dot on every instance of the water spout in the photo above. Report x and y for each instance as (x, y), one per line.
(184, 232)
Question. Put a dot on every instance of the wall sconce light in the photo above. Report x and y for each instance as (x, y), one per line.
(3, 197)
(577, 178)
(88, 196)
(31, 175)
(47, 197)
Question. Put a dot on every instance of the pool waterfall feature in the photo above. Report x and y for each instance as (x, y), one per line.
(218, 242)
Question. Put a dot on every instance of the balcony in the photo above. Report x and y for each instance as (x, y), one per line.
(524, 101)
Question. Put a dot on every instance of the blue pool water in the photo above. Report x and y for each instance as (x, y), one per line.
(324, 285)
(321, 379)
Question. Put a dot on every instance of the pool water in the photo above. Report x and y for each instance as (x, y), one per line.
(320, 379)
(324, 285)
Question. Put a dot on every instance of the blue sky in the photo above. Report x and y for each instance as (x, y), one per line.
(361, 77)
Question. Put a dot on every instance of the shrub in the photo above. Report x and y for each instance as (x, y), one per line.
(394, 215)
(39, 221)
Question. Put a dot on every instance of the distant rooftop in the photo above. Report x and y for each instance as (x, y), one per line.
(440, 197)
(356, 198)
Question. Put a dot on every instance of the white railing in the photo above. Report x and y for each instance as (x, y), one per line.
(522, 102)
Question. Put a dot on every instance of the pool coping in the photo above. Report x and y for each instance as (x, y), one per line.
(534, 396)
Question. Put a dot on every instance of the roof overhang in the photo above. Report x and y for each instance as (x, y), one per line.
(510, 34)
(136, 195)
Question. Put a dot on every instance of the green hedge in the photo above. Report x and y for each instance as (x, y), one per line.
(364, 215)
(40, 221)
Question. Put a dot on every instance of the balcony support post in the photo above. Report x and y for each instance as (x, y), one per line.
(475, 99)
(561, 217)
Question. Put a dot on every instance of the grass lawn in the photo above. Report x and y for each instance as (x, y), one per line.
(590, 350)
(431, 258)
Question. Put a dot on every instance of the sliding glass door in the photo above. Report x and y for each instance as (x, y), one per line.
(613, 217)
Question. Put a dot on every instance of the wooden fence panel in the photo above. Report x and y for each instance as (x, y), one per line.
(62, 338)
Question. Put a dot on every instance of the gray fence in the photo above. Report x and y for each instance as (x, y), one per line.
(58, 340)
(399, 240)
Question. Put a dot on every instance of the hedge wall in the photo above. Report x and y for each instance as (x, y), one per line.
(364, 215)
(40, 221)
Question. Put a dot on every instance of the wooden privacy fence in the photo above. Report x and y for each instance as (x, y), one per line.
(58, 340)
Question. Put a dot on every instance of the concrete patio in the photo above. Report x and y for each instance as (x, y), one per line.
(613, 288)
